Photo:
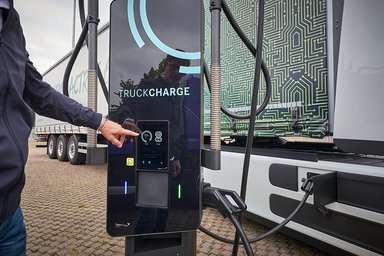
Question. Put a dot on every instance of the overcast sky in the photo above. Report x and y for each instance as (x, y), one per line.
(47, 26)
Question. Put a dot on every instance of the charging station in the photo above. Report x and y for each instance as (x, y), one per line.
(153, 194)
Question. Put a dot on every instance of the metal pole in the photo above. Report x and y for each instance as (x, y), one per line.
(93, 9)
(215, 9)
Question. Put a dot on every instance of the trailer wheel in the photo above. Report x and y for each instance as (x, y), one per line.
(51, 147)
(62, 148)
(74, 156)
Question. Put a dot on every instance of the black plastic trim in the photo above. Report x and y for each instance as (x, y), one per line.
(96, 155)
(324, 190)
(363, 233)
(369, 147)
(274, 152)
(284, 176)
(361, 191)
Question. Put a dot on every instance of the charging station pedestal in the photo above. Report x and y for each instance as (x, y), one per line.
(154, 182)
(182, 243)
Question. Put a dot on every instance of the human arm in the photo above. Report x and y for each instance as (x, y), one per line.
(115, 133)
(46, 101)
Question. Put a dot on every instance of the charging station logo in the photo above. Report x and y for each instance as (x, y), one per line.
(155, 40)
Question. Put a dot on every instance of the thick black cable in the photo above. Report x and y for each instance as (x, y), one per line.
(73, 57)
(282, 224)
(252, 120)
(217, 198)
(268, 92)
(81, 11)
(252, 49)
(99, 74)
(237, 28)
(82, 38)
(243, 236)
(237, 116)
(264, 235)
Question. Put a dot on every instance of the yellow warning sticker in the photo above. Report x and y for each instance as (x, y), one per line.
(130, 161)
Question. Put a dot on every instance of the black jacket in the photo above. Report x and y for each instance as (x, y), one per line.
(21, 91)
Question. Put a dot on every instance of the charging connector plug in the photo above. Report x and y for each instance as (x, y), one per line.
(217, 198)
(307, 185)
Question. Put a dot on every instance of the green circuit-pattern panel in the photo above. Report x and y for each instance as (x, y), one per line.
(295, 52)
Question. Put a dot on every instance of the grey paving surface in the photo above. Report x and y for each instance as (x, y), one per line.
(64, 209)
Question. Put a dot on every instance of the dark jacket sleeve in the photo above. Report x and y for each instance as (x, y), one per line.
(46, 101)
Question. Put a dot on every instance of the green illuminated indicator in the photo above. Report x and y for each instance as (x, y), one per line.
(179, 191)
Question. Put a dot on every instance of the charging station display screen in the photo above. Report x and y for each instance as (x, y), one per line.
(155, 88)
(152, 146)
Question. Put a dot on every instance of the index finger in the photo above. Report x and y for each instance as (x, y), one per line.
(128, 132)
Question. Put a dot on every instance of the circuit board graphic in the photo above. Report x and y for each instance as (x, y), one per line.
(295, 52)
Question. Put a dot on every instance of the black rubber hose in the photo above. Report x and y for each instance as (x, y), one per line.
(81, 11)
(243, 236)
(73, 57)
(237, 28)
(252, 119)
(99, 74)
(262, 106)
(264, 235)
(282, 224)
(253, 50)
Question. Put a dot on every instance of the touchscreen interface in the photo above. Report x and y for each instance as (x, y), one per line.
(152, 145)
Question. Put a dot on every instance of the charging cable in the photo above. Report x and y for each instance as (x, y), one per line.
(75, 53)
(217, 198)
(211, 199)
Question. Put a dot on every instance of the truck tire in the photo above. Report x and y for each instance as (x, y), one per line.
(61, 151)
(74, 156)
(51, 146)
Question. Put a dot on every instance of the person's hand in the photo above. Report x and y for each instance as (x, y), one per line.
(115, 133)
(130, 124)
(176, 168)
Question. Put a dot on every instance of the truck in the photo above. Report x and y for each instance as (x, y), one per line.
(67, 142)
(323, 120)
